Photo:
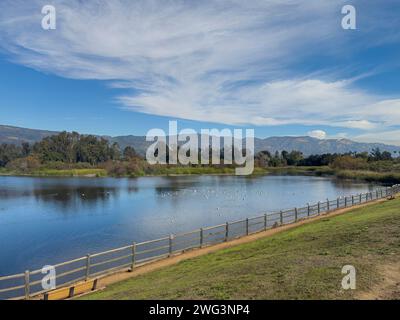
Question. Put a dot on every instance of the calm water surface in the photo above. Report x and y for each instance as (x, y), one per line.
(50, 220)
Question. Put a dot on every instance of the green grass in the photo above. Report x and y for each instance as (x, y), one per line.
(44, 172)
(370, 176)
(177, 170)
(314, 170)
(302, 263)
(159, 171)
(71, 172)
(209, 170)
(3, 171)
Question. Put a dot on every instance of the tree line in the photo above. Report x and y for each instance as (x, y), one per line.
(70, 148)
(73, 148)
(350, 160)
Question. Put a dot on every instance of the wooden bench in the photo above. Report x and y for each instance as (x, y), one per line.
(71, 291)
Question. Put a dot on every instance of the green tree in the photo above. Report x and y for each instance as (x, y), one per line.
(129, 153)
(8, 153)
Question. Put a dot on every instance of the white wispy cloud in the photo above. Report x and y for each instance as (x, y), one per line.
(224, 61)
(319, 134)
(385, 136)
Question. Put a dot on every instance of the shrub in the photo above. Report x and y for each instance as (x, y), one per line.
(25, 165)
(349, 163)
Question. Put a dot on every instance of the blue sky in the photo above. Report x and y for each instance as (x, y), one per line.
(281, 67)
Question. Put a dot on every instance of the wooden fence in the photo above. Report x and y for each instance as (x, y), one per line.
(29, 284)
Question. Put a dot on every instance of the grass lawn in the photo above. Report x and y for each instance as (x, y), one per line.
(302, 263)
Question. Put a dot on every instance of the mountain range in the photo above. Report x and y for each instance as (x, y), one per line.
(307, 145)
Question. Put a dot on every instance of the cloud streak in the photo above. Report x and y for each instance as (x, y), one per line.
(227, 61)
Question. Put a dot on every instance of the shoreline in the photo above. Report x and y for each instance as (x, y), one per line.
(102, 173)
(112, 285)
(122, 275)
(354, 175)
(322, 212)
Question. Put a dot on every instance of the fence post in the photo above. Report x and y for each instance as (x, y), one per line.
(327, 205)
(133, 255)
(281, 217)
(295, 214)
(337, 203)
(201, 237)
(247, 226)
(265, 222)
(87, 267)
(319, 207)
(308, 209)
(352, 200)
(27, 285)
(171, 237)
(226, 231)
(345, 201)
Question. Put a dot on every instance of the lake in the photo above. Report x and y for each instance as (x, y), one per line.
(50, 220)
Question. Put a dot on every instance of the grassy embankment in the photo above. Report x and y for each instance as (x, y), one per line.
(157, 171)
(371, 176)
(99, 172)
(46, 172)
(165, 171)
(302, 263)
(179, 170)
(389, 177)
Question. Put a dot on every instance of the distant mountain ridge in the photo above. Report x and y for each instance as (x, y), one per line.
(17, 135)
(307, 145)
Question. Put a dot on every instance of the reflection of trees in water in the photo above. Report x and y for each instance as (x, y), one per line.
(6, 194)
(132, 189)
(343, 184)
(67, 197)
(175, 184)
(70, 196)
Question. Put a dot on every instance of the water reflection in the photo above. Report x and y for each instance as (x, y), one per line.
(48, 220)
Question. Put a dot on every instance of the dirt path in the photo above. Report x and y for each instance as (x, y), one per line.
(116, 277)
(388, 287)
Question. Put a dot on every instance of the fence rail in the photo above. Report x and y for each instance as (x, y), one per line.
(29, 284)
